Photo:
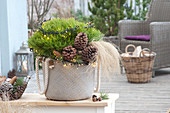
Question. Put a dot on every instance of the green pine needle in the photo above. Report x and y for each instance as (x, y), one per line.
(19, 82)
(104, 96)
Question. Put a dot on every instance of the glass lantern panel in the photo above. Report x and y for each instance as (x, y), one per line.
(28, 60)
(31, 62)
(19, 60)
(24, 64)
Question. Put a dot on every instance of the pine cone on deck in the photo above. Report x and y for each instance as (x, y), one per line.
(81, 41)
(69, 52)
(6, 90)
(19, 90)
(89, 54)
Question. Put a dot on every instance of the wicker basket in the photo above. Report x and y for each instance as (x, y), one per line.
(138, 69)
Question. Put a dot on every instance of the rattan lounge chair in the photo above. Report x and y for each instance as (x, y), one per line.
(157, 25)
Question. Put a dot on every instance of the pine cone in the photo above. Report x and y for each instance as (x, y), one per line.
(56, 53)
(12, 73)
(69, 52)
(89, 54)
(6, 89)
(19, 91)
(81, 41)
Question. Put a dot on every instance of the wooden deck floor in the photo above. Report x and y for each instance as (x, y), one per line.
(152, 97)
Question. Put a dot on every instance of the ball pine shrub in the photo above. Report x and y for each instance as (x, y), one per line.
(56, 34)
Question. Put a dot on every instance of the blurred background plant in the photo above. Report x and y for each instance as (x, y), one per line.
(138, 11)
(79, 16)
(106, 14)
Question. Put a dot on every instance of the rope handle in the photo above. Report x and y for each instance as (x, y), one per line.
(130, 45)
(45, 77)
(143, 52)
(98, 78)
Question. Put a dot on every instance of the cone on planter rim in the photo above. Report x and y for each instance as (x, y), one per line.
(69, 52)
(56, 53)
(89, 54)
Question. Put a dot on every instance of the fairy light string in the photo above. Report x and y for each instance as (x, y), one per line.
(68, 63)
(62, 32)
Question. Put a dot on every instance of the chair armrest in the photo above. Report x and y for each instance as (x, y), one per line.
(133, 27)
(160, 42)
(160, 33)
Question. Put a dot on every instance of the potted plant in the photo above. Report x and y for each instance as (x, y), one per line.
(71, 52)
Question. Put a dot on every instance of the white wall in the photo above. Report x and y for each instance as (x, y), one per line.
(4, 35)
(13, 31)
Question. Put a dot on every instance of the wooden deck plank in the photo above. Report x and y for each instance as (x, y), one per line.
(151, 97)
(136, 111)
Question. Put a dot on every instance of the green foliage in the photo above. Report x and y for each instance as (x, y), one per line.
(19, 82)
(142, 10)
(104, 96)
(44, 45)
(106, 14)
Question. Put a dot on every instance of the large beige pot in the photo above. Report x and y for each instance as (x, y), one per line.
(70, 82)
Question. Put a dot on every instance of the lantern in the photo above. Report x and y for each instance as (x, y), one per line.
(24, 61)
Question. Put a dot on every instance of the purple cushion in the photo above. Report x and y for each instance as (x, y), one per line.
(138, 37)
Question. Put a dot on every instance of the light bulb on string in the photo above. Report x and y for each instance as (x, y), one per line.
(64, 65)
